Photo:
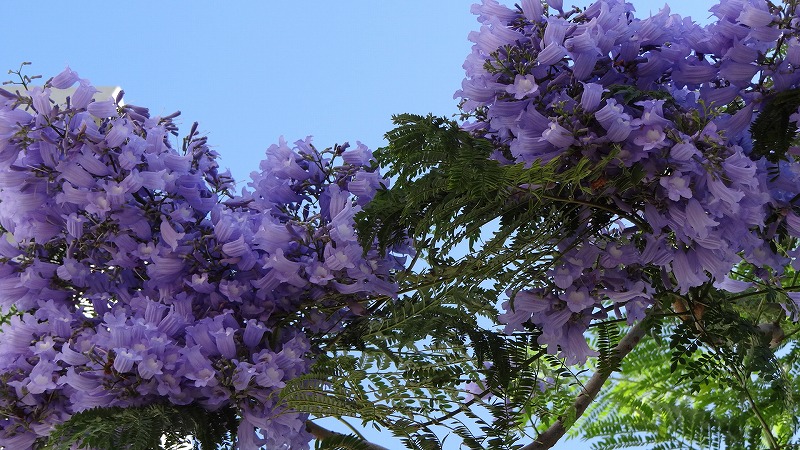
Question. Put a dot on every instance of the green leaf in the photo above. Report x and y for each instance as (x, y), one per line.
(143, 428)
(772, 132)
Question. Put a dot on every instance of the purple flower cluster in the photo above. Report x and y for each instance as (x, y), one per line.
(663, 102)
(134, 277)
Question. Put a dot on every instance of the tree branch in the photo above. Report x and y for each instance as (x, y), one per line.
(741, 378)
(590, 390)
(323, 433)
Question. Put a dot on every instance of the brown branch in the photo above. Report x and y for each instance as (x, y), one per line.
(323, 433)
(590, 390)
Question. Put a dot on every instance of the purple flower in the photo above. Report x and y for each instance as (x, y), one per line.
(738, 73)
(70, 356)
(359, 156)
(149, 367)
(282, 162)
(683, 151)
(83, 94)
(103, 109)
(226, 344)
(551, 54)
(556, 31)
(591, 96)
(694, 72)
(731, 285)
(341, 257)
(650, 137)
(557, 135)
(169, 235)
(698, 218)
(119, 133)
(319, 273)
(64, 79)
(124, 359)
(269, 376)
(532, 9)
(616, 254)
(253, 333)
(574, 348)
(475, 389)
(636, 300)
(753, 16)
(22, 440)
(79, 381)
(165, 269)
(564, 275)
(616, 122)
(584, 64)
(688, 272)
(524, 85)
(41, 100)
(677, 186)
(42, 378)
(578, 299)
(556, 4)
(283, 271)
(727, 195)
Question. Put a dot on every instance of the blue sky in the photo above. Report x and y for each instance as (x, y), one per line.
(252, 71)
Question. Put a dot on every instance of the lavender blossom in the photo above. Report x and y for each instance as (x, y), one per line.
(159, 300)
(705, 198)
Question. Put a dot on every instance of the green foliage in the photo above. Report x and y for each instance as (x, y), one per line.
(143, 428)
(647, 408)
(718, 382)
(408, 366)
(343, 442)
(629, 94)
(451, 188)
(5, 318)
(772, 132)
(687, 391)
(607, 339)
(448, 193)
(393, 380)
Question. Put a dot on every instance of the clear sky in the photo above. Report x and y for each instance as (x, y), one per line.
(252, 71)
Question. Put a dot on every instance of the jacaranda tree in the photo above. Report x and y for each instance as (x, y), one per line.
(618, 205)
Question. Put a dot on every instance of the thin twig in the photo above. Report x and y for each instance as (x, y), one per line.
(557, 430)
(742, 380)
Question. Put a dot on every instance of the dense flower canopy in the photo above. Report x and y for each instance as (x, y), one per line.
(137, 277)
(664, 106)
(131, 274)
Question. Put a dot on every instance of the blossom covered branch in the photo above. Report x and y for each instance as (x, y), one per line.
(131, 274)
(663, 106)
(132, 279)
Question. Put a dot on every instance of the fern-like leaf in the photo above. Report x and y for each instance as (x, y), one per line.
(143, 428)
(772, 132)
